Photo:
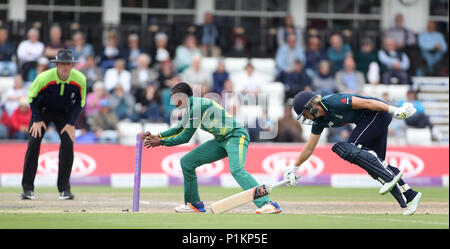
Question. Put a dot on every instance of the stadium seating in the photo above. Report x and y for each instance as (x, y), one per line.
(6, 83)
(417, 136)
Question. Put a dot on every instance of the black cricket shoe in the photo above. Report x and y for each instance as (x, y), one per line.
(66, 195)
(28, 195)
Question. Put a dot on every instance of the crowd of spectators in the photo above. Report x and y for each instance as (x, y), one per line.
(130, 83)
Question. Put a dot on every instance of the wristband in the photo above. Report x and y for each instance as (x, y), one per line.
(391, 109)
(161, 142)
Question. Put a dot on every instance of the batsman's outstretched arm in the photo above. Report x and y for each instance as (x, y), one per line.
(308, 150)
(403, 112)
(289, 173)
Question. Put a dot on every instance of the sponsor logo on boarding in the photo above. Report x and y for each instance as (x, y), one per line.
(83, 164)
(171, 165)
(409, 164)
(276, 163)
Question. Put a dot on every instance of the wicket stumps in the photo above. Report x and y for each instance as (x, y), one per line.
(137, 173)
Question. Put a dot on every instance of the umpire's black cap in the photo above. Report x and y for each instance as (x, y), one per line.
(64, 55)
(301, 100)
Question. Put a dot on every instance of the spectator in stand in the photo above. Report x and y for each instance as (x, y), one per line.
(4, 124)
(42, 65)
(7, 66)
(339, 134)
(194, 73)
(81, 50)
(166, 104)
(229, 97)
(110, 53)
(166, 73)
(314, 55)
(296, 81)
(219, 76)
(239, 43)
(149, 106)
(349, 80)
(365, 56)
(94, 98)
(12, 96)
(419, 119)
(403, 37)
(121, 103)
(160, 53)
(337, 52)
(405, 40)
(118, 75)
(55, 44)
(20, 120)
(289, 129)
(131, 54)
(185, 53)
(288, 29)
(105, 124)
(432, 46)
(287, 54)
(394, 64)
(324, 82)
(82, 132)
(29, 51)
(208, 37)
(92, 72)
(142, 75)
(248, 82)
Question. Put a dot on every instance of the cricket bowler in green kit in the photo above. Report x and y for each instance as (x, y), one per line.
(231, 140)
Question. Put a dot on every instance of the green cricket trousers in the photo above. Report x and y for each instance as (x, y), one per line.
(235, 148)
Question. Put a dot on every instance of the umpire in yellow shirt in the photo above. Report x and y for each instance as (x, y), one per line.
(56, 95)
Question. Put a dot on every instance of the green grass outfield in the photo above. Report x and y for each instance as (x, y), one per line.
(125, 220)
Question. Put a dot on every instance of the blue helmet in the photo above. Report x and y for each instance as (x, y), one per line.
(302, 102)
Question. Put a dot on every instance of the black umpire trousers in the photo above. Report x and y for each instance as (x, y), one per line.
(65, 153)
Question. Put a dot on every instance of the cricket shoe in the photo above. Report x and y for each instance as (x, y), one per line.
(28, 195)
(388, 186)
(66, 195)
(269, 208)
(198, 207)
(413, 204)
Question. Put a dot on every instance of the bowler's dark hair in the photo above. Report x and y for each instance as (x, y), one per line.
(183, 87)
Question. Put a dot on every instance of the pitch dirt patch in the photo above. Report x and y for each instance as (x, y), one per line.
(163, 203)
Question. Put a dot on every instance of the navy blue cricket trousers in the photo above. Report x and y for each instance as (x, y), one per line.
(371, 132)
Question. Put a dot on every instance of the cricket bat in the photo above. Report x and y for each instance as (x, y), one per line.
(244, 197)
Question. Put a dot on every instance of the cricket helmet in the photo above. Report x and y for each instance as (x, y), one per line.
(303, 101)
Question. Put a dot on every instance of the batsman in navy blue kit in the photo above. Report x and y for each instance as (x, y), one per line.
(366, 146)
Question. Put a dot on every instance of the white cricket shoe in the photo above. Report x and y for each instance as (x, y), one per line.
(269, 208)
(413, 204)
(388, 186)
(198, 207)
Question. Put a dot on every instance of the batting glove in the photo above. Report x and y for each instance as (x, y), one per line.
(403, 112)
(289, 174)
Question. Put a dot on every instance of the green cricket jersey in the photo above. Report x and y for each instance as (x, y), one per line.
(204, 114)
(50, 94)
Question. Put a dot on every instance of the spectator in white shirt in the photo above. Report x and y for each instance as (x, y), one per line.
(11, 98)
(29, 51)
(249, 81)
(118, 75)
(195, 75)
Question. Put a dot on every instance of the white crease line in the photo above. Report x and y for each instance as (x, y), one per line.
(397, 220)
